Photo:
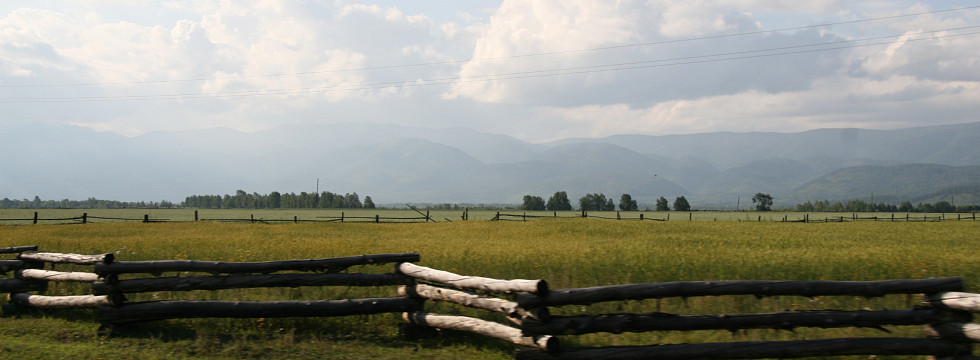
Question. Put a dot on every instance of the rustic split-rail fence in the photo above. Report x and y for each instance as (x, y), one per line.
(527, 304)
(425, 217)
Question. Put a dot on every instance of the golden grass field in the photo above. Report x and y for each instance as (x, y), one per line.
(567, 252)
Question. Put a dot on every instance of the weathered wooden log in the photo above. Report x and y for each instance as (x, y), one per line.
(15, 285)
(67, 258)
(186, 309)
(469, 299)
(585, 296)
(619, 323)
(9, 265)
(759, 349)
(963, 332)
(956, 300)
(79, 301)
(482, 327)
(56, 275)
(264, 267)
(246, 281)
(472, 282)
(17, 249)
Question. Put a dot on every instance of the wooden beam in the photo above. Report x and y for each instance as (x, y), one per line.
(962, 332)
(20, 285)
(57, 275)
(585, 296)
(8, 265)
(67, 258)
(17, 249)
(472, 282)
(186, 309)
(482, 327)
(79, 301)
(189, 283)
(956, 300)
(468, 299)
(788, 320)
(760, 349)
(264, 267)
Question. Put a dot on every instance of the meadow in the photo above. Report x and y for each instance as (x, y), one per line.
(567, 252)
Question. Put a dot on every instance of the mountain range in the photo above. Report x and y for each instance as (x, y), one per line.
(397, 164)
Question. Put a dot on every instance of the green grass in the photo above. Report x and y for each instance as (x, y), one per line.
(567, 252)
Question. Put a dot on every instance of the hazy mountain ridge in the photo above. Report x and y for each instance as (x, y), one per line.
(396, 164)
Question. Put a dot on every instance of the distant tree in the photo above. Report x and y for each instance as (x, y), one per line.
(944, 207)
(595, 202)
(368, 203)
(559, 202)
(275, 200)
(681, 204)
(626, 203)
(763, 202)
(662, 204)
(533, 203)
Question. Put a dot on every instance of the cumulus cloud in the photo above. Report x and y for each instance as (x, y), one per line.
(534, 69)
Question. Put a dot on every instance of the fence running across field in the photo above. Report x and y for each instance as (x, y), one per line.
(86, 218)
(946, 312)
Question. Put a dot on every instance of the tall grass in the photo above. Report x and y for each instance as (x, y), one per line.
(566, 252)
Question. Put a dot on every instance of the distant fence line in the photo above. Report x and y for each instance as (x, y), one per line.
(946, 310)
(425, 217)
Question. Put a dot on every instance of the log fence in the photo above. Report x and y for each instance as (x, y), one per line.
(532, 311)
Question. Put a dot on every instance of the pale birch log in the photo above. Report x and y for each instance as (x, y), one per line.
(466, 299)
(57, 275)
(79, 301)
(964, 332)
(472, 282)
(956, 300)
(67, 258)
(482, 327)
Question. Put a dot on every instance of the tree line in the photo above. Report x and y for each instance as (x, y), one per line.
(90, 203)
(596, 202)
(862, 206)
(277, 200)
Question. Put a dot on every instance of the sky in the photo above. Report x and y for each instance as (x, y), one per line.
(535, 70)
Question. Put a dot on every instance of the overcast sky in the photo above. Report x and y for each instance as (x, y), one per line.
(536, 70)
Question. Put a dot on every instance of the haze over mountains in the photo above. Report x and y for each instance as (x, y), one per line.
(397, 164)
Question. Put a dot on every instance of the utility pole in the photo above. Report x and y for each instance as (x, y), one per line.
(738, 203)
(317, 186)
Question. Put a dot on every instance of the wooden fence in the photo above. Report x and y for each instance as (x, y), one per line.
(527, 304)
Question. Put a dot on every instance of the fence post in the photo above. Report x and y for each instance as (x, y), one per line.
(641, 216)
(341, 216)
(295, 219)
(84, 218)
(252, 217)
(146, 218)
(556, 213)
(524, 216)
(617, 216)
(377, 218)
(426, 215)
(35, 218)
(668, 216)
(195, 215)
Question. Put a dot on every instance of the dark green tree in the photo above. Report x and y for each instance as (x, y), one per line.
(368, 203)
(681, 204)
(662, 204)
(626, 203)
(533, 203)
(763, 202)
(595, 202)
(559, 202)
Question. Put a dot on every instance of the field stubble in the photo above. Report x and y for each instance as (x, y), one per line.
(567, 253)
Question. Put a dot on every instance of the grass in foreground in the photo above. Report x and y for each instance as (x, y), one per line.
(566, 252)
